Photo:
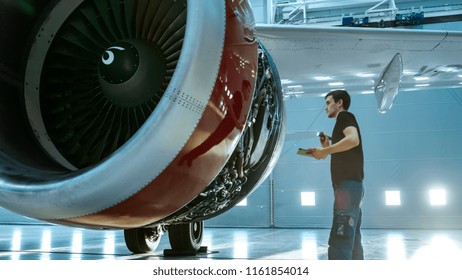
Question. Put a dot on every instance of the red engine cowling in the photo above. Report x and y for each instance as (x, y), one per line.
(144, 107)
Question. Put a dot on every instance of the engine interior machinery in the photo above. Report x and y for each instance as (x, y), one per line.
(146, 116)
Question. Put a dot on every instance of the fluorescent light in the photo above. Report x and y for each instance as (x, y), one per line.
(367, 92)
(16, 243)
(393, 198)
(77, 243)
(336, 84)
(322, 78)
(422, 85)
(109, 243)
(409, 73)
(240, 245)
(46, 241)
(285, 81)
(438, 197)
(308, 199)
(365, 75)
(295, 86)
(421, 78)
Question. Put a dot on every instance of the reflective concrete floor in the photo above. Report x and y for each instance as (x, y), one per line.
(44, 242)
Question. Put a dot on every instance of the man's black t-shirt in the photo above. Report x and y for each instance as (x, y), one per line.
(348, 165)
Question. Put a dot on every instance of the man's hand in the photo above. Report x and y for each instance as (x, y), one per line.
(350, 141)
(320, 153)
(317, 153)
(324, 140)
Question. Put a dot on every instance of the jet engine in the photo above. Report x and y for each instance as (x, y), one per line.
(146, 116)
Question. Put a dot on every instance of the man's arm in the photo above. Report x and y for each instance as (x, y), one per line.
(350, 141)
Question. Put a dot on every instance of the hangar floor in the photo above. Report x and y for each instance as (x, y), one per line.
(44, 242)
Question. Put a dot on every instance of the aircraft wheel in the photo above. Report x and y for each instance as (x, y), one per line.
(142, 240)
(186, 237)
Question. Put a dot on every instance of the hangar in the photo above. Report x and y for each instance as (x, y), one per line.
(412, 155)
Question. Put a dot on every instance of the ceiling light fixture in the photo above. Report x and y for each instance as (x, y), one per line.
(336, 84)
(421, 78)
(322, 78)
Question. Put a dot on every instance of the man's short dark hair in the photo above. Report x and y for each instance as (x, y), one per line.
(340, 94)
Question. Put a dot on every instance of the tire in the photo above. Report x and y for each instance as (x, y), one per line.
(186, 237)
(142, 240)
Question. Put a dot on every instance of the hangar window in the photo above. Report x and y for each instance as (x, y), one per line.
(308, 199)
(438, 197)
(393, 198)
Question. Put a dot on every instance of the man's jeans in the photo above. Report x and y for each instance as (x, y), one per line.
(345, 235)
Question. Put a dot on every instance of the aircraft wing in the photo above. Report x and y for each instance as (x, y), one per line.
(313, 60)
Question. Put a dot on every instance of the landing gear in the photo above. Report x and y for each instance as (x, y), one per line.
(186, 238)
(143, 240)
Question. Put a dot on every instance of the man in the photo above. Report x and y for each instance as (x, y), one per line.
(347, 176)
